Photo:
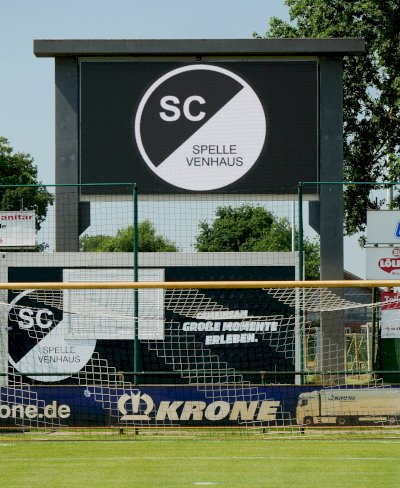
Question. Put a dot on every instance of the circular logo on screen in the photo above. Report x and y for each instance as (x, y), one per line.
(39, 340)
(200, 127)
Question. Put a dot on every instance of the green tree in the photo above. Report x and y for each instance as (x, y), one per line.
(18, 169)
(371, 88)
(253, 228)
(148, 240)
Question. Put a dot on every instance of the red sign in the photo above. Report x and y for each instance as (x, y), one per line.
(391, 301)
(390, 264)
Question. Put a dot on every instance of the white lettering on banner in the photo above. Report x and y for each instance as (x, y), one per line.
(223, 314)
(230, 326)
(230, 339)
(244, 411)
(201, 326)
(197, 410)
(248, 326)
(268, 411)
(168, 410)
(49, 411)
(387, 263)
(193, 410)
(27, 322)
(247, 411)
(217, 411)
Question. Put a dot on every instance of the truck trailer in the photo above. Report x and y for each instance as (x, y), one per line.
(349, 406)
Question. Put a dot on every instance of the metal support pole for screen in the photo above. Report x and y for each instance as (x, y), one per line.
(301, 278)
(136, 345)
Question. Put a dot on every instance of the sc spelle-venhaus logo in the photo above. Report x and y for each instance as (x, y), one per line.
(40, 342)
(200, 127)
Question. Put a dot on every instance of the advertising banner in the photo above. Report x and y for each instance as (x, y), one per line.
(56, 335)
(59, 331)
(390, 315)
(17, 229)
(80, 406)
(383, 227)
(383, 263)
(163, 406)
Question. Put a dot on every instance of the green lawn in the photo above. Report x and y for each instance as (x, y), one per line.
(229, 463)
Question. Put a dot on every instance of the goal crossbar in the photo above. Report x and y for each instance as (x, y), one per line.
(199, 284)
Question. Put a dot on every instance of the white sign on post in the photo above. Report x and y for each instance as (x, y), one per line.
(383, 263)
(390, 315)
(17, 229)
(383, 227)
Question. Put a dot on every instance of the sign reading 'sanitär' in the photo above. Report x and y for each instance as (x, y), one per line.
(173, 127)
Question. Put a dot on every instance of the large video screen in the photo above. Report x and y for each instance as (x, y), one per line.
(171, 127)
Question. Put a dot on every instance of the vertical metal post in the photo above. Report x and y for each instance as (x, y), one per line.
(136, 345)
(368, 334)
(293, 249)
(67, 125)
(356, 353)
(373, 329)
(390, 195)
(300, 233)
(301, 277)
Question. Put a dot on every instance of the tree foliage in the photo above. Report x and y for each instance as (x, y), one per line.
(148, 240)
(371, 88)
(253, 228)
(18, 169)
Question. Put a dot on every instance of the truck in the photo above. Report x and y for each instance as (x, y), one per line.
(349, 406)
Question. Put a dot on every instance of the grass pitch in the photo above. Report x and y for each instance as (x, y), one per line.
(221, 463)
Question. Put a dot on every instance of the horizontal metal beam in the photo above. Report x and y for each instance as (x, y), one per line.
(88, 285)
(199, 47)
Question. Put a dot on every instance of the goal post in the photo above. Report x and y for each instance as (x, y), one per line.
(275, 356)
